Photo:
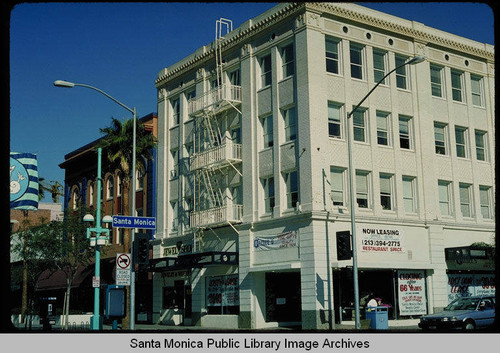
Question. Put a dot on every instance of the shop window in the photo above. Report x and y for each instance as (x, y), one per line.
(222, 295)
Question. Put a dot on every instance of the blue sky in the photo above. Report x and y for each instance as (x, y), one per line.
(121, 47)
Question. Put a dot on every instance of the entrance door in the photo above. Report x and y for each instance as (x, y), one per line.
(182, 294)
(283, 299)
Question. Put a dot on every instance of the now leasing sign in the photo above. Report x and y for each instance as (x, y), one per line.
(134, 222)
(380, 239)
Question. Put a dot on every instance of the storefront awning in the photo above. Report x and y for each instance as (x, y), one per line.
(196, 260)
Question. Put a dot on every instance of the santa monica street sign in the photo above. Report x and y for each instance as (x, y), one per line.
(134, 222)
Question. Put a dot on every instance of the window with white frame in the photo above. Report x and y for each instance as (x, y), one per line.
(457, 92)
(334, 120)
(383, 128)
(110, 188)
(379, 65)
(332, 55)
(237, 194)
(465, 199)
(91, 193)
(265, 71)
(267, 131)
(174, 172)
(440, 140)
(405, 132)
(485, 201)
(356, 55)
(409, 193)
(436, 80)
(401, 73)
(287, 61)
(139, 174)
(444, 197)
(386, 191)
(292, 188)
(362, 189)
(269, 196)
(119, 184)
(461, 141)
(175, 214)
(191, 95)
(290, 117)
(477, 90)
(176, 111)
(337, 187)
(359, 125)
(480, 137)
(235, 77)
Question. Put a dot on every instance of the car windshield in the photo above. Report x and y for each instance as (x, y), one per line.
(463, 304)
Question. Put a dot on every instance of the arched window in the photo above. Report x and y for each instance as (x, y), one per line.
(139, 179)
(75, 198)
(119, 185)
(110, 188)
(91, 193)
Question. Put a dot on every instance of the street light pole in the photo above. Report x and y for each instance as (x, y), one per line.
(97, 241)
(352, 174)
(61, 83)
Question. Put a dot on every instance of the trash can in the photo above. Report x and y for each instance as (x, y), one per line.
(379, 318)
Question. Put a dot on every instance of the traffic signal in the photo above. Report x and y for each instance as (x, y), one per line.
(141, 245)
(344, 251)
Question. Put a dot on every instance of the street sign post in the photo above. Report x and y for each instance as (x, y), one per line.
(134, 222)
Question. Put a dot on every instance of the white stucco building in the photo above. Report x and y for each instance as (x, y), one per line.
(253, 170)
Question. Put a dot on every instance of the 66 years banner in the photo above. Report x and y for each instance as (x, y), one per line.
(411, 292)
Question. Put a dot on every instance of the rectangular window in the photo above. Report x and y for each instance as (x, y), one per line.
(465, 199)
(480, 137)
(461, 141)
(235, 77)
(444, 197)
(174, 172)
(477, 90)
(269, 196)
(386, 191)
(332, 55)
(359, 125)
(267, 129)
(334, 120)
(405, 131)
(436, 81)
(287, 61)
(456, 85)
(440, 137)
(290, 124)
(292, 189)
(379, 65)
(337, 186)
(485, 201)
(362, 194)
(176, 111)
(383, 132)
(265, 71)
(401, 74)
(409, 194)
(356, 55)
(190, 95)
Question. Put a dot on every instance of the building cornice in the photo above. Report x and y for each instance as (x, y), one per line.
(355, 13)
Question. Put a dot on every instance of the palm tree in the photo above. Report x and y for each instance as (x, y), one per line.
(53, 187)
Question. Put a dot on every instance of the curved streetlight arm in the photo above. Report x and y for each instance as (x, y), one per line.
(61, 83)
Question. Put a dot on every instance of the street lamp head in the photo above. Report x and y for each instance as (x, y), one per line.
(107, 219)
(416, 60)
(61, 83)
(88, 218)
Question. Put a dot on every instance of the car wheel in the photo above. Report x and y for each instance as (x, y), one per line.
(469, 325)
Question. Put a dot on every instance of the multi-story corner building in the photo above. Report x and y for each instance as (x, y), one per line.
(253, 187)
(80, 183)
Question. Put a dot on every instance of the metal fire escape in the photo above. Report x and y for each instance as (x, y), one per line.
(214, 151)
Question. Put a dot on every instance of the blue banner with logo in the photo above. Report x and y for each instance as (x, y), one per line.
(23, 181)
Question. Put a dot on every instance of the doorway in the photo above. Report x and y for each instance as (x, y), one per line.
(283, 297)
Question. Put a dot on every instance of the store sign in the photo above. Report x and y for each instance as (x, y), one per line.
(380, 239)
(411, 292)
(223, 291)
(174, 250)
(274, 242)
(468, 285)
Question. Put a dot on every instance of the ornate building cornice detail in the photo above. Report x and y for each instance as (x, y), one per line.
(419, 35)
